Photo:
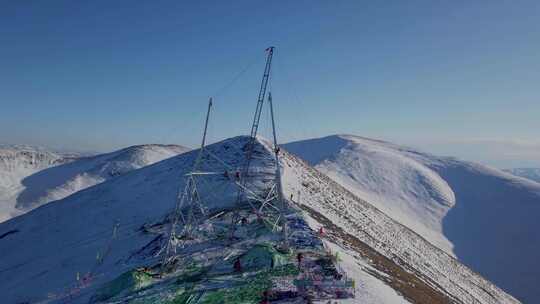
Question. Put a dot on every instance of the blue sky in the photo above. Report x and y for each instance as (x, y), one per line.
(451, 77)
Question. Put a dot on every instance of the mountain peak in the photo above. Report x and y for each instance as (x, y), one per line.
(468, 210)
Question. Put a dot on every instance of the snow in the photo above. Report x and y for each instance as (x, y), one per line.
(396, 183)
(388, 237)
(17, 162)
(369, 289)
(25, 187)
(530, 173)
(54, 242)
(494, 225)
(44, 249)
(483, 216)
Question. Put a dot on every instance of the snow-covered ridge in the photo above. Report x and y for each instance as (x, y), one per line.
(389, 238)
(483, 216)
(44, 249)
(33, 176)
(529, 173)
(18, 162)
(387, 176)
(22, 158)
(60, 181)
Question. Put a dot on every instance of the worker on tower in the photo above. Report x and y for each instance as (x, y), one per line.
(264, 298)
(299, 258)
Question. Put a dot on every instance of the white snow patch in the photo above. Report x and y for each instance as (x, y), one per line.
(369, 289)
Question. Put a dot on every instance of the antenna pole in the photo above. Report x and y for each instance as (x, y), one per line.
(206, 123)
(273, 122)
(199, 157)
(279, 186)
(186, 197)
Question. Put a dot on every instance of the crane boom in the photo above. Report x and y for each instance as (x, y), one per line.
(253, 137)
(258, 110)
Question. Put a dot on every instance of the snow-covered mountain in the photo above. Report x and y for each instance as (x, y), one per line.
(18, 162)
(485, 217)
(530, 173)
(31, 178)
(46, 251)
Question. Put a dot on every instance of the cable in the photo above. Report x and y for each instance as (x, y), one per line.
(300, 126)
(221, 90)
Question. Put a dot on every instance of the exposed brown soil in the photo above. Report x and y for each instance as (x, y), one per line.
(408, 284)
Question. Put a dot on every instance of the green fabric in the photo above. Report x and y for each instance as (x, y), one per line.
(262, 256)
(258, 258)
(127, 282)
(248, 293)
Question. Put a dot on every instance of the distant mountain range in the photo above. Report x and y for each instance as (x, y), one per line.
(31, 177)
(530, 173)
(18, 162)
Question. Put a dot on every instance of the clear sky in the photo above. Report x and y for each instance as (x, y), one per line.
(458, 78)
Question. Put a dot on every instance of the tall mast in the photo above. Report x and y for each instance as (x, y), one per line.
(198, 160)
(186, 198)
(206, 123)
(253, 134)
(279, 186)
(258, 109)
